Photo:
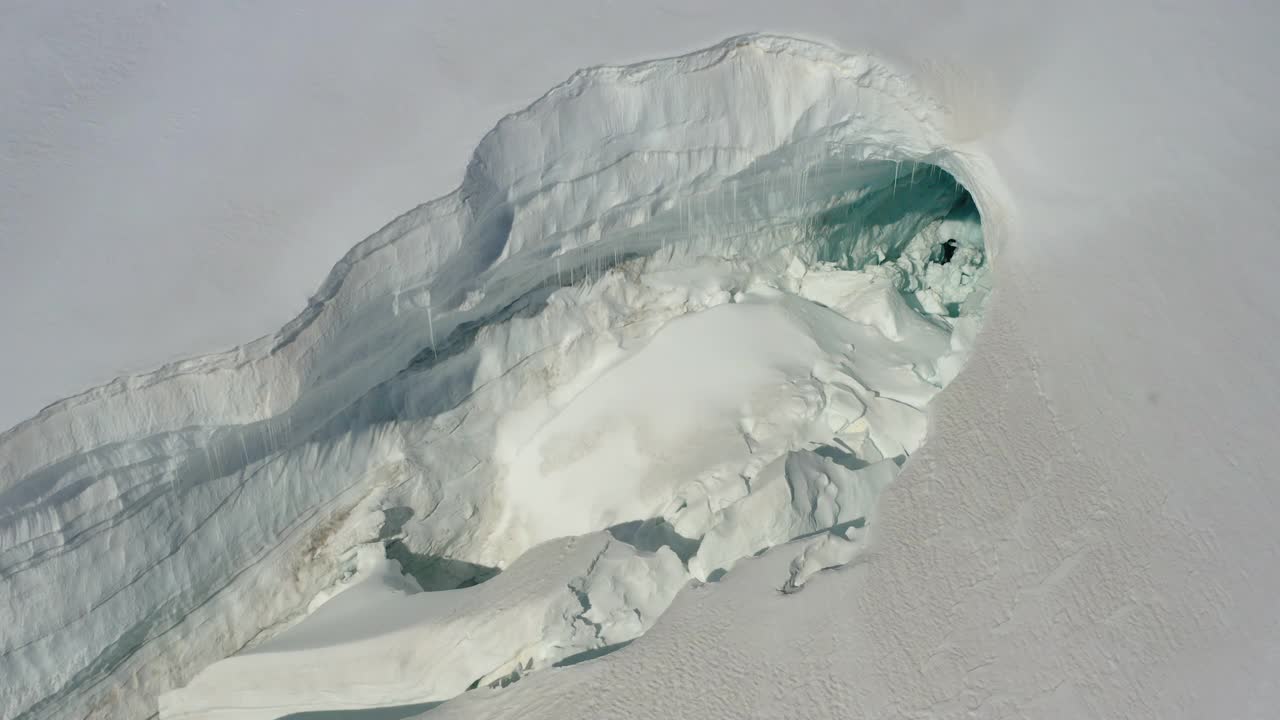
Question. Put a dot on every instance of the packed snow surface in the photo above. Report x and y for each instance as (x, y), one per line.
(677, 314)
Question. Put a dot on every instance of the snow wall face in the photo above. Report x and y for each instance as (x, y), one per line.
(768, 205)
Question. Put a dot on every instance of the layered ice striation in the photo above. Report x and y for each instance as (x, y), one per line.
(677, 313)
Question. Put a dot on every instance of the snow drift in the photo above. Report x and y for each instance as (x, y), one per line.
(677, 313)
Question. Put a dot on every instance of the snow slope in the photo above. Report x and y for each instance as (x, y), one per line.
(1087, 532)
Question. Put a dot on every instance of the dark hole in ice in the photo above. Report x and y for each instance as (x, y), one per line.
(949, 250)
(432, 572)
(649, 535)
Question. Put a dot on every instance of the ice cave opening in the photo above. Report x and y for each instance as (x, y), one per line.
(660, 328)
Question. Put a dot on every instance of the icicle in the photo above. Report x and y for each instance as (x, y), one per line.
(894, 193)
(913, 173)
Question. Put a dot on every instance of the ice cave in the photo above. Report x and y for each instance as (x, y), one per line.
(648, 337)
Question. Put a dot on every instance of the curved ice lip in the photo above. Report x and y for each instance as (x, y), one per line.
(505, 165)
(208, 425)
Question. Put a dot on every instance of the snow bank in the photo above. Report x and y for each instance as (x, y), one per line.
(375, 646)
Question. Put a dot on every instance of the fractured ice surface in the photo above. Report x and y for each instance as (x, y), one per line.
(676, 314)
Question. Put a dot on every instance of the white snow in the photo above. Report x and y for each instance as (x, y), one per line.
(1085, 533)
(375, 646)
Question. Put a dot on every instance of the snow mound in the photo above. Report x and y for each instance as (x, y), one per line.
(391, 648)
(677, 313)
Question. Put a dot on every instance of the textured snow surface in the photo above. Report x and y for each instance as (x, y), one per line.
(1088, 531)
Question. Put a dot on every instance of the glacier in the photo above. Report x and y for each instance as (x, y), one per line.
(677, 313)
(1086, 532)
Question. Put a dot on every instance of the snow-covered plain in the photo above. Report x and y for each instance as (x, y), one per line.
(1085, 533)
